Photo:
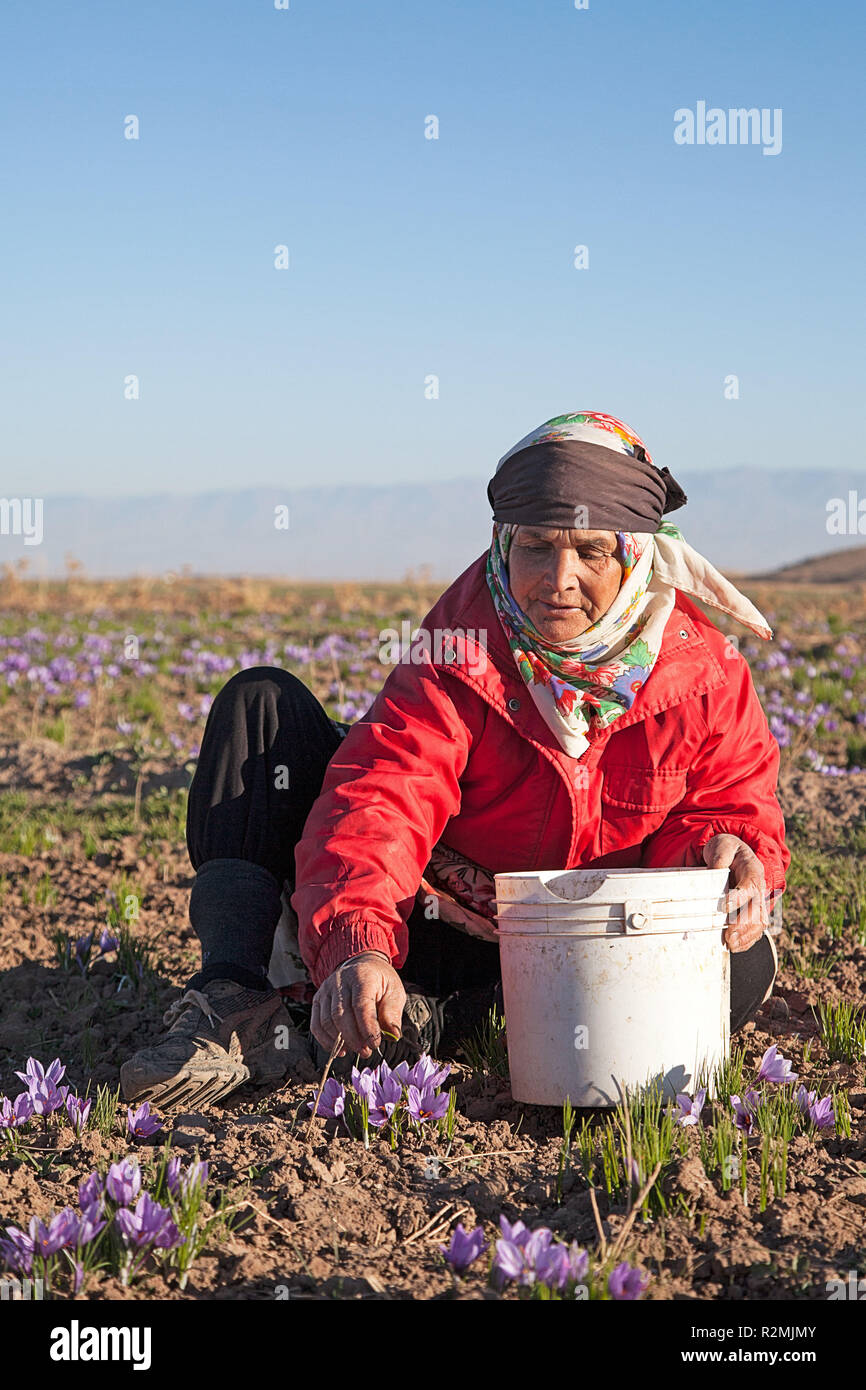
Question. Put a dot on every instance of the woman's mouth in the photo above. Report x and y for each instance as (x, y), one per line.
(563, 608)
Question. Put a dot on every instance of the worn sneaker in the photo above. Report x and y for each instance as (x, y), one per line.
(218, 1037)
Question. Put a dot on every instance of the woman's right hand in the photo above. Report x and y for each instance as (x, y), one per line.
(359, 999)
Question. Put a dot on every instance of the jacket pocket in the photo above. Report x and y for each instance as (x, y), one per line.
(648, 789)
(635, 802)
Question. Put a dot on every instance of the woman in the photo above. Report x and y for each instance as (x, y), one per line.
(566, 705)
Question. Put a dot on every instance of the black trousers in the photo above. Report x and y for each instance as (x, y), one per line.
(263, 756)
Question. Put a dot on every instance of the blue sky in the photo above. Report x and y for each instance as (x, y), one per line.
(410, 256)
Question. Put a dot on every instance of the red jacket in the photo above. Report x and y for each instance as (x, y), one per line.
(457, 749)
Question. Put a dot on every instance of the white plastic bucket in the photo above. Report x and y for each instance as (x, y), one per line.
(612, 978)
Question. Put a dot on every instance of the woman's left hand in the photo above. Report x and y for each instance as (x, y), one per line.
(747, 910)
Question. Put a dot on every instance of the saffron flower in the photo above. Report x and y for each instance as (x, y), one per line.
(17, 1251)
(149, 1224)
(426, 1104)
(820, 1112)
(579, 1261)
(464, 1247)
(90, 1191)
(332, 1101)
(90, 1223)
(690, 1110)
(15, 1113)
(123, 1182)
(510, 1264)
(776, 1068)
(107, 942)
(83, 947)
(61, 1230)
(427, 1074)
(387, 1094)
(516, 1234)
(78, 1111)
(172, 1173)
(363, 1084)
(43, 1085)
(744, 1110)
(34, 1073)
(195, 1176)
(45, 1097)
(625, 1283)
(553, 1266)
(140, 1123)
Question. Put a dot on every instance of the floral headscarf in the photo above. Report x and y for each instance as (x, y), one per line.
(597, 676)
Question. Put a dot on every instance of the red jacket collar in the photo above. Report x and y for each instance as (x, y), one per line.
(687, 666)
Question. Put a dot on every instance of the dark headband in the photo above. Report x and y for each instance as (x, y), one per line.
(545, 484)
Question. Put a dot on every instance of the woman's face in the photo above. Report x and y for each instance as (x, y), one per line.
(563, 580)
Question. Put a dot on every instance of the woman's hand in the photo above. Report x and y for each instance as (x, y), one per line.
(747, 908)
(360, 998)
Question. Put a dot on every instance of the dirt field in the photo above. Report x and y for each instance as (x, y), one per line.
(103, 694)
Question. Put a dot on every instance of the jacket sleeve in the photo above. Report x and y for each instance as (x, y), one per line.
(389, 791)
(731, 787)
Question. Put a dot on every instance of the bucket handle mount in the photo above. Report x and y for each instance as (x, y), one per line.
(638, 915)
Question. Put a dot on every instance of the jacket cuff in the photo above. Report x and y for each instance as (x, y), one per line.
(347, 937)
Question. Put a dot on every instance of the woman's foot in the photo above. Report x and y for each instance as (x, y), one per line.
(218, 1037)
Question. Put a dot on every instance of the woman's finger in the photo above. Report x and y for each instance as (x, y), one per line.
(364, 997)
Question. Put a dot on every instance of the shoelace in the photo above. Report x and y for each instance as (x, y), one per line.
(192, 996)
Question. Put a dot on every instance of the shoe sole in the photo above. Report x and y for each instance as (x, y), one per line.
(188, 1086)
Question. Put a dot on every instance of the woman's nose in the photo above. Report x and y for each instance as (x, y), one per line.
(562, 571)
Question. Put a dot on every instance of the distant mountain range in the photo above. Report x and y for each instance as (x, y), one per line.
(747, 521)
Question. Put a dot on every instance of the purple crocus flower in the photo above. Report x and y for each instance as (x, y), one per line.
(90, 1191)
(78, 1111)
(578, 1260)
(510, 1264)
(363, 1084)
(332, 1101)
(107, 942)
(45, 1097)
(149, 1224)
(83, 948)
(387, 1094)
(776, 1068)
(15, 1113)
(427, 1074)
(195, 1176)
(625, 1283)
(90, 1223)
(17, 1251)
(516, 1234)
(804, 1098)
(140, 1123)
(123, 1182)
(820, 1112)
(34, 1072)
(23, 1108)
(61, 1230)
(172, 1173)
(425, 1105)
(690, 1110)
(744, 1110)
(537, 1244)
(464, 1247)
(553, 1266)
